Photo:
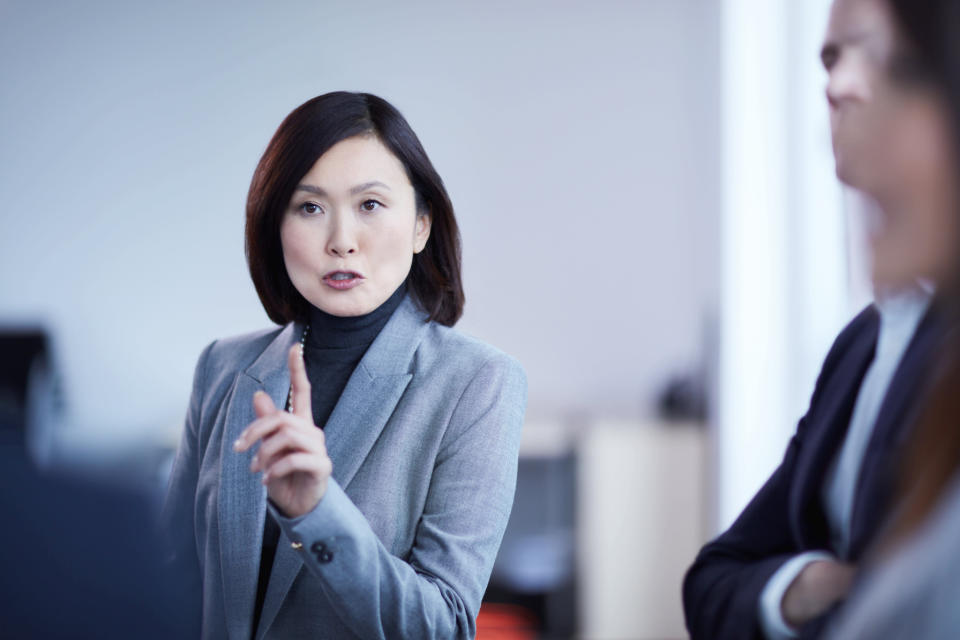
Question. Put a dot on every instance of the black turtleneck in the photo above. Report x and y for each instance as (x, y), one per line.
(333, 348)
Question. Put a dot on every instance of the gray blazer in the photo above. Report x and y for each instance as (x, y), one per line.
(424, 444)
(915, 593)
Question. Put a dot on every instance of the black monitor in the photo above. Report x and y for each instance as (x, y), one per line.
(24, 355)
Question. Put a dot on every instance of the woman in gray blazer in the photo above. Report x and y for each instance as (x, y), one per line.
(350, 473)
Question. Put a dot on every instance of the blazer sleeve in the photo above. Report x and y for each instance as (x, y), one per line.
(435, 592)
(721, 590)
(177, 518)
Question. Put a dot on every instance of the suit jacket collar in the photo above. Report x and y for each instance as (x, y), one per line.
(389, 354)
(876, 480)
(826, 432)
(360, 415)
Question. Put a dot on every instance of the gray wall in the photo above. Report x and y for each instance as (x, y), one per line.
(579, 142)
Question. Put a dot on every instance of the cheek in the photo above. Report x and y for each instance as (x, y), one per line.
(296, 251)
(391, 245)
(933, 238)
(930, 172)
(856, 147)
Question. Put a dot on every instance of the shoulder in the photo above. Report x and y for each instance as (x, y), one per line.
(240, 351)
(454, 355)
(868, 318)
(478, 388)
(864, 325)
(856, 340)
(224, 358)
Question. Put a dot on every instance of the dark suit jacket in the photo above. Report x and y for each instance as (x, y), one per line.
(721, 591)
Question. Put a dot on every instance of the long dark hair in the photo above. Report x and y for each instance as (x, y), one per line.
(305, 135)
(930, 57)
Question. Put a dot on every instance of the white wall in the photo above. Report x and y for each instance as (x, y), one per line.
(789, 278)
(579, 142)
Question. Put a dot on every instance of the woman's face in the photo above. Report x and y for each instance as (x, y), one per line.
(352, 228)
(892, 140)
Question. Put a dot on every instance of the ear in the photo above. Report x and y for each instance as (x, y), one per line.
(421, 231)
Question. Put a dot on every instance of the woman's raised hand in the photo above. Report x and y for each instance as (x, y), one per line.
(293, 453)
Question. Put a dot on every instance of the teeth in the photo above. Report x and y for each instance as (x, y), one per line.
(341, 276)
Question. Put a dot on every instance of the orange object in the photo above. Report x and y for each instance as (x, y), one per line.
(505, 622)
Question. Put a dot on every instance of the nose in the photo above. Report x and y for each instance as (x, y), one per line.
(847, 82)
(342, 240)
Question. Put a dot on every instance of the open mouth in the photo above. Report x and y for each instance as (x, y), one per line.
(341, 280)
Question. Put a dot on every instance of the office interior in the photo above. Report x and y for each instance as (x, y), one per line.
(650, 220)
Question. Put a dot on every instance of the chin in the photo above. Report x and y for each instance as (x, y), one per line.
(846, 168)
(844, 173)
(894, 274)
(345, 310)
(342, 307)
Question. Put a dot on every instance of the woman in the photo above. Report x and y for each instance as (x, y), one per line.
(912, 587)
(374, 507)
(788, 562)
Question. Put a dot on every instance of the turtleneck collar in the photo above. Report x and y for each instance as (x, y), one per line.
(335, 332)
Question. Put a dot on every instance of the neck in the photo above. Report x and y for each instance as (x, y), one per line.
(329, 331)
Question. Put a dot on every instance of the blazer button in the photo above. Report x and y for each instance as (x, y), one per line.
(323, 554)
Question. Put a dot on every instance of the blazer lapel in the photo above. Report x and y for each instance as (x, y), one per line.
(242, 499)
(840, 393)
(894, 424)
(360, 415)
(373, 391)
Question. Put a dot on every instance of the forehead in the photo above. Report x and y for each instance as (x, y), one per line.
(856, 22)
(357, 160)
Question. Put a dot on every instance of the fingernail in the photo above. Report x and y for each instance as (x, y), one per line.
(237, 444)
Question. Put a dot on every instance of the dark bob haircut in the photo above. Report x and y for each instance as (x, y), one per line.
(306, 134)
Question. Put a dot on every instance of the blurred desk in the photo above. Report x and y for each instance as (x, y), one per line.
(641, 520)
(536, 567)
(608, 516)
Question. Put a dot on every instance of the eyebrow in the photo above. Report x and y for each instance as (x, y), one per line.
(360, 188)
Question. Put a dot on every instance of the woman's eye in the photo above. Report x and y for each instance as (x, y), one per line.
(370, 205)
(310, 208)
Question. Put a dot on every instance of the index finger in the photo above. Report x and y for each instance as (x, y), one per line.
(299, 384)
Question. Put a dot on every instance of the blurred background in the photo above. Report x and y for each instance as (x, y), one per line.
(650, 218)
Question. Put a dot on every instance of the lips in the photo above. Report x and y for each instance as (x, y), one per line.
(342, 280)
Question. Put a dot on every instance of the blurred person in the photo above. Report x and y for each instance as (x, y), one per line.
(350, 473)
(912, 588)
(789, 560)
(79, 558)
